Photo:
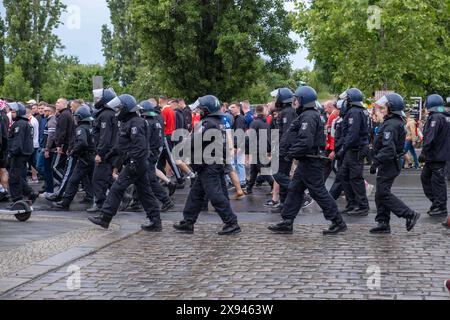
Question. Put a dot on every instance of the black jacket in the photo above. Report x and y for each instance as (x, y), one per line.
(65, 130)
(105, 131)
(155, 135)
(285, 117)
(261, 129)
(389, 143)
(310, 135)
(20, 139)
(187, 114)
(355, 129)
(436, 137)
(84, 144)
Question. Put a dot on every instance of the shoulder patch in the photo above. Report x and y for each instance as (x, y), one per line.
(134, 130)
(433, 123)
(387, 135)
(284, 120)
(304, 125)
(447, 119)
(350, 121)
(16, 130)
(79, 132)
(103, 124)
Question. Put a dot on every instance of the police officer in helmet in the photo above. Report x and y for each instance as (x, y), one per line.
(306, 148)
(210, 169)
(84, 151)
(105, 132)
(20, 148)
(132, 148)
(435, 153)
(388, 151)
(355, 148)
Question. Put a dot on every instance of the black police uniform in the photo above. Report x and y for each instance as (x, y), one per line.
(387, 152)
(210, 181)
(105, 133)
(156, 145)
(285, 118)
(436, 150)
(84, 152)
(20, 148)
(309, 141)
(133, 145)
(355, 147)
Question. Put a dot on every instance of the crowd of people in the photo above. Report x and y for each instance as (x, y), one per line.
(120, 154)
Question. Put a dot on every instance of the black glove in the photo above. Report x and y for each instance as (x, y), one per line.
(422, 158)
(338, 154)
(374, 166)
(133, 168)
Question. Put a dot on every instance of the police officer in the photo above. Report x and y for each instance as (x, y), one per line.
(20, 148)
(105, 132)
(435, 153)
(388, 150)
(306, 147)
(354, 149)
(84, 151)
(132, 146)
(210, 169)
(156, 145)
(286, 115)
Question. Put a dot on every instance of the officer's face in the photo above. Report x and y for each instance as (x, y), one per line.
(13, 114)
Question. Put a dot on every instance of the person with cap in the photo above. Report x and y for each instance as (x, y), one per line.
(20, 148)
(105, 131)
(355, 148)
(210, 169)
(435, 153)
(84, 151)
(388, 150)
(4, 127)
(306, 146)
(132, 147)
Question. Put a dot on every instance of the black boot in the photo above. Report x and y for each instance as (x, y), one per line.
(248, 190)
(184, 226)
(172, 187)
(437, 212)
(382, 227)
(337, 225)
(360, 212)
(230, 228)
(53, 198)
(285, 226)
(61, 205)
(32, 197)
(348, 208)
(411, 220)
(152, 226)
(100, 221)
(167, 206)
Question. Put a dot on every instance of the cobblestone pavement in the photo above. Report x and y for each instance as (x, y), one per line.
(258, 265)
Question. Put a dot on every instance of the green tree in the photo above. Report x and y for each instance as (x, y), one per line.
(195, 47)
(120, 45)
(406, 52)
(2, 50)
(30, 39)
(15, 86)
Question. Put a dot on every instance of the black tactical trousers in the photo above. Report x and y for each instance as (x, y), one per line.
(337, 188)
(434, 184)
(385, 201)
(102, 181)
(353, 180)
(83, 171)
(18, 186)
(282, 177)
(255, 170)
(210, 182)
(139, 178)
(309, 175)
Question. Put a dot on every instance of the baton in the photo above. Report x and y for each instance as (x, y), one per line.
(174, 166)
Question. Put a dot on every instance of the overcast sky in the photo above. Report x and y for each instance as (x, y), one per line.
(81, 33)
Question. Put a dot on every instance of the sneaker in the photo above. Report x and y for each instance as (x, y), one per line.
(270, 203)
(53, 198)
(437, 212)
(307, 201)
(167, 206)
(93, 209)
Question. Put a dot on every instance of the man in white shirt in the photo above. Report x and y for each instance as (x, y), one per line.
(33, 158)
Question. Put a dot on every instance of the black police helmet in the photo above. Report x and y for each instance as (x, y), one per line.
(434, 101)
(83, 113)
(103, 96)
(396, 104)
(284, 96)
(210, 103)
(306, 97)
(19, 109)
(353, 96)
(125, 103)
(147, 108)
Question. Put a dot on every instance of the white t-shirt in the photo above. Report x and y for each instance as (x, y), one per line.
(35, 124)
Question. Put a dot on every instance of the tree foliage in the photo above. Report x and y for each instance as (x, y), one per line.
(30, 40)
(15, 86)
(408, 52)
(196, 47)
(2, 50)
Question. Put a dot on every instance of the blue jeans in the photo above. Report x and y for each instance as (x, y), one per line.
(410, 148)
(239, 166)
(40, 166)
